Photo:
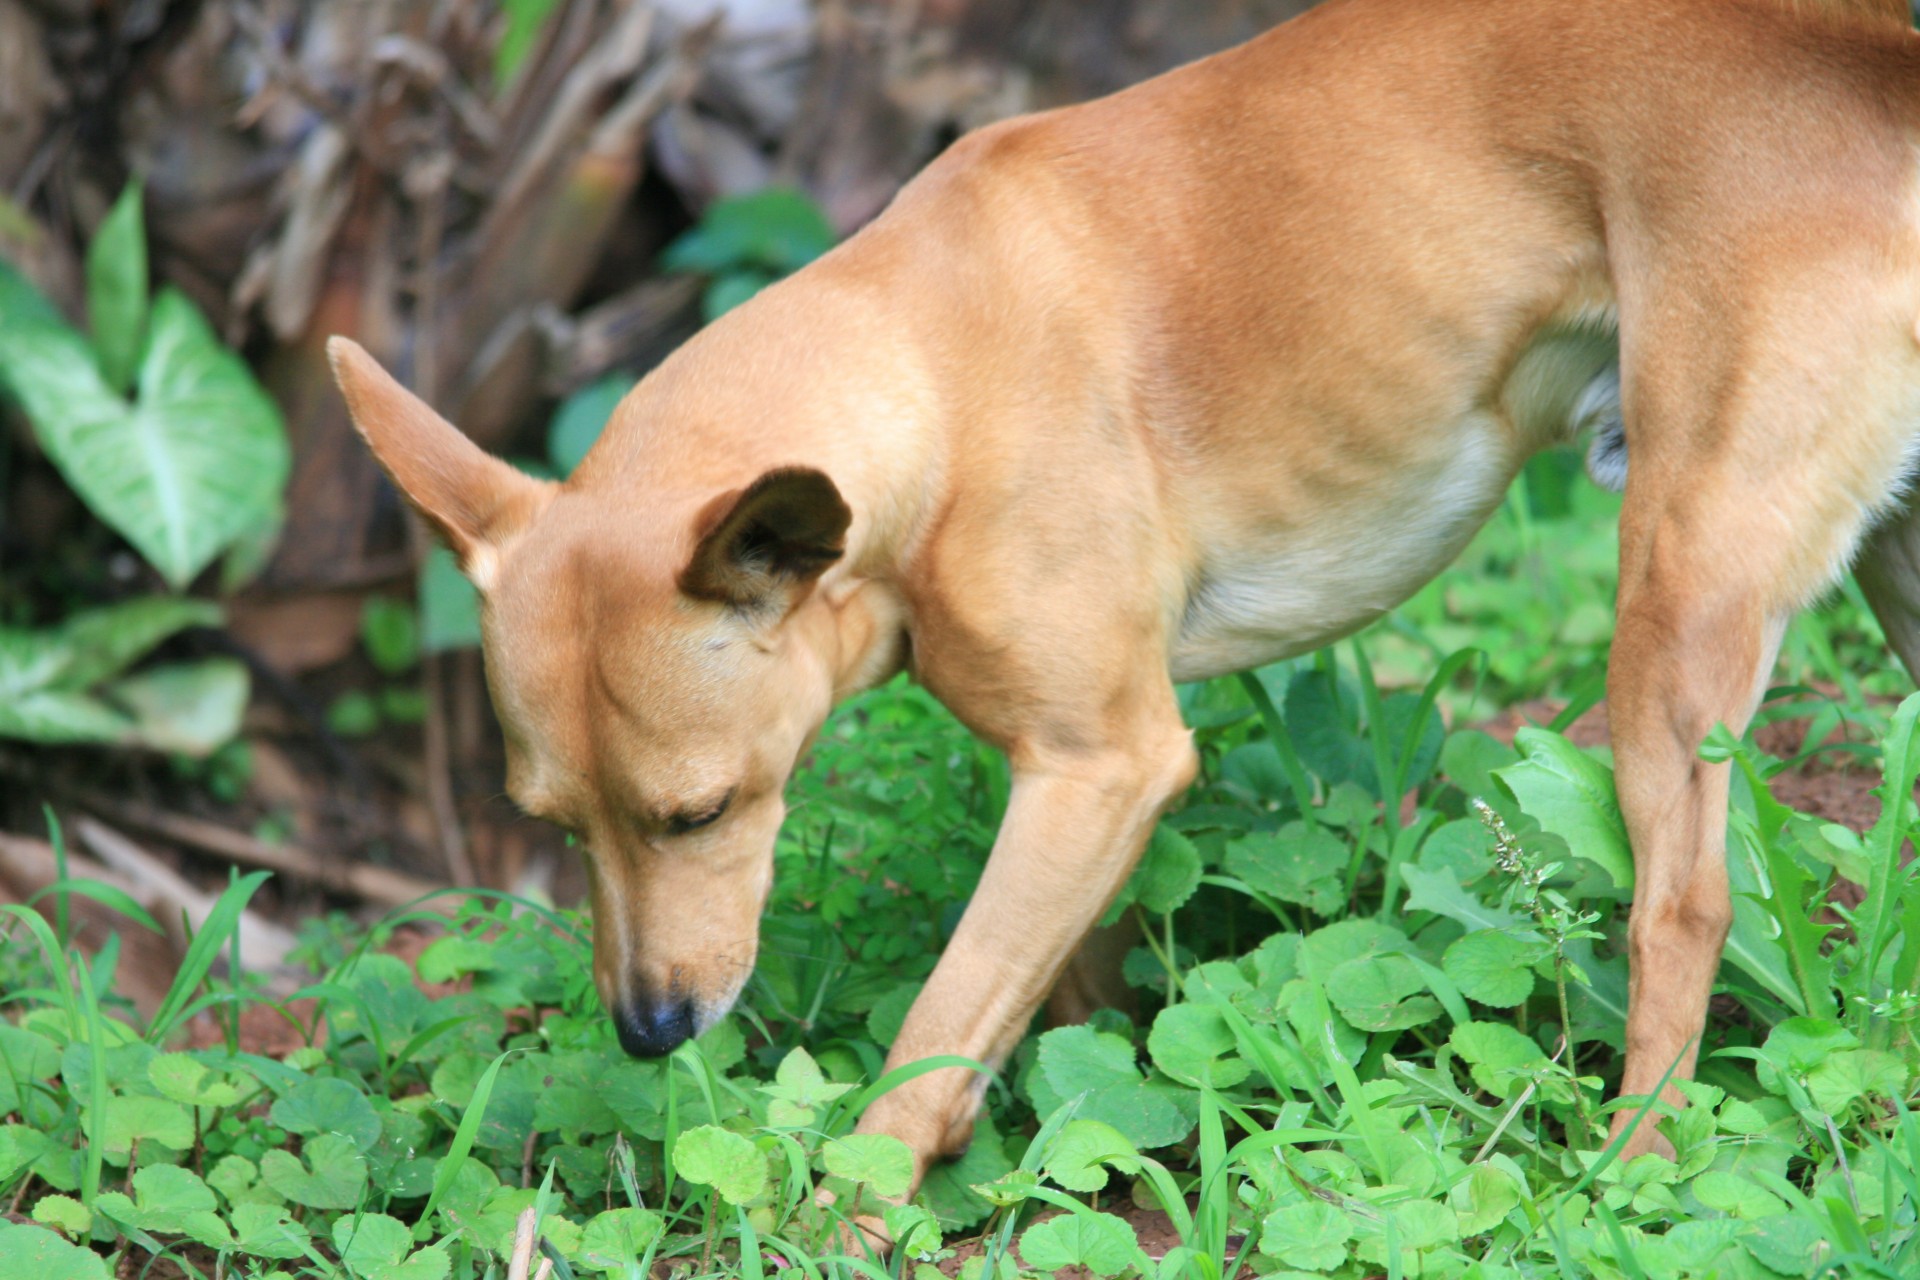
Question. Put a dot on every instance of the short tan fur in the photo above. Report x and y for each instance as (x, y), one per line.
(1191, 378)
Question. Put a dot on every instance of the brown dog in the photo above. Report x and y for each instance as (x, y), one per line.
(1193, 378)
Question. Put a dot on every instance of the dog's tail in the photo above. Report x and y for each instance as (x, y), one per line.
(1871, 11)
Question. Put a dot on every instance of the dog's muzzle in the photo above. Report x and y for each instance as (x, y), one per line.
(652, 1027)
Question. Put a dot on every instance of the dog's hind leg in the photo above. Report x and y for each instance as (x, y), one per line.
(1092, 980)
(1888, 571)
(1762, 441)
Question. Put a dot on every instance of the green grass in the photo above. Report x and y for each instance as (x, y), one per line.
(1369, 1041)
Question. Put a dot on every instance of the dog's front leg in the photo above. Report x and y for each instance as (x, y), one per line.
(1075, 825)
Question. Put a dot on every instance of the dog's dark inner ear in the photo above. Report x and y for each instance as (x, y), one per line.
(779, 533)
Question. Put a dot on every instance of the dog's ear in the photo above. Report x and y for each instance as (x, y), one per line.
(473, 500)
(770, 539)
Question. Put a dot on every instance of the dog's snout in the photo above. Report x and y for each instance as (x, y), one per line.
(654, 1026)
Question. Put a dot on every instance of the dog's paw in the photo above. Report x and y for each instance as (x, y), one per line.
(1645, 1140)
(859, 1235)
(958, 1137)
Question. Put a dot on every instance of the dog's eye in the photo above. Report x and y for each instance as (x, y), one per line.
(681, 823)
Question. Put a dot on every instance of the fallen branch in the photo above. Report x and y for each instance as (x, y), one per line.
(381, 886)
(167, 894)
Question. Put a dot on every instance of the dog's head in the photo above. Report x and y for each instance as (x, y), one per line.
(658, 667)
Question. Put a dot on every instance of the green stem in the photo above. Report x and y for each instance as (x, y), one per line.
(1296, 773)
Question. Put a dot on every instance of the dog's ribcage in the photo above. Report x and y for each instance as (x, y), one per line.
(1274, 597)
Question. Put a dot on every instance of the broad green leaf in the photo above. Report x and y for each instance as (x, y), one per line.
(1084, 1150)
(329, 1173)
(1492, 967)
(449, 604)
(1570, 793)
(1469, 760)
(616, 1238)
(776, 229)
(1168, 873)
(20, 1146)
(390, 631)
(1298, 864)
(1079, 1060)
(198, 457)
(1016, 1186)
(1425, 1224)
(889, 1013)
(46, 675)
(1847, 1077)
(55, 716)
(725, 1161)
(1786, 1243)
(24, 307)
(580, 419)
(1256, 766)
(144, 1119)
(1484, 1200)
(799, 1091)
(1194, 1044)
(1735, 1195)
(1329, 947)
(169, 1200)
(498, 1222)
(232, 1176)
(64, 1214)
(181, 1077)
(1322, 717)
(1797, 1046)
(1076, 1059)
(573, 1109)
(39, 1253)
(880, 1160)
(1100, 1242)
(117, 288)
(249, 554)
(24, 1056)
(915, 1231)
(268, 1231)
(455, 956)
(329, 1106)
(105, 642)
(193, 708)
(389, 997)
(727, 291)
(375, 1246)
(1501, 1058)
(1599, 1005)
(1381, 993)
(1310, 1236)
(1438, 890)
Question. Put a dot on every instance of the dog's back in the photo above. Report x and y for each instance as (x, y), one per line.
(1184, 380)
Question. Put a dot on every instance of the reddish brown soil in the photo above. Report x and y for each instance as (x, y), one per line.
(263, 1030)
(1819, 787)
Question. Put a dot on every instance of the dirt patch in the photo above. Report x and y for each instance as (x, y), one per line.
(1821, 786)
(266, 1030)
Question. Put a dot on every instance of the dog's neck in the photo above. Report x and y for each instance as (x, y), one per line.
(812, 374)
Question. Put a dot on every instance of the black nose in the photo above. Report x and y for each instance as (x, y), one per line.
(652, 1027)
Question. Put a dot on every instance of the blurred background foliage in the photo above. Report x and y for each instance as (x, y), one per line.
(216, 626)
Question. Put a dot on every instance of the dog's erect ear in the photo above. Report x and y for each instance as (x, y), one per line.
(473, 500)
(774, 536)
